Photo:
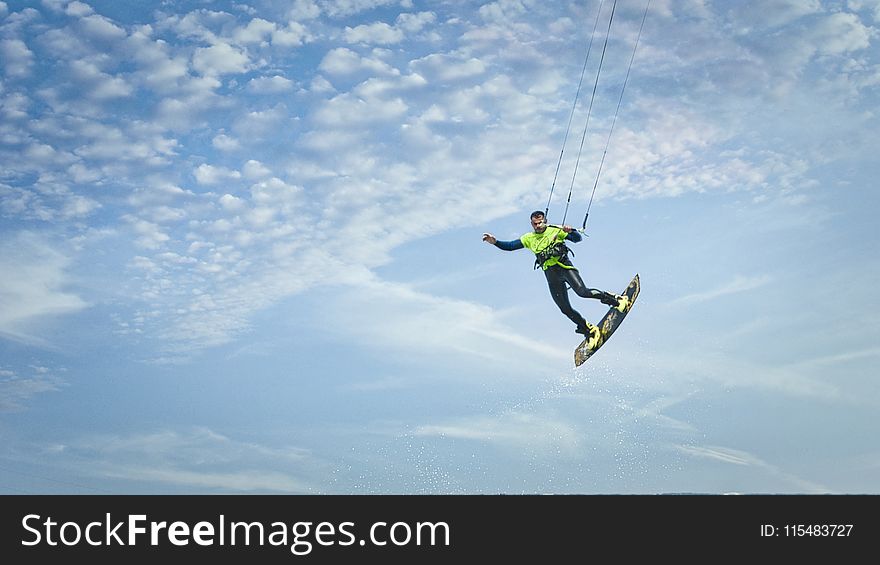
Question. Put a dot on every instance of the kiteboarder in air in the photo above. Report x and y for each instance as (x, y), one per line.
(547, 242)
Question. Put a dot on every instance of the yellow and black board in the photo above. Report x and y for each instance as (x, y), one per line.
(608, 324)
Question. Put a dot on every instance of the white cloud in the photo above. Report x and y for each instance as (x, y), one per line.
(232, 203)
(78, 9)
(270, 85)
(276, 194)
(44, 203)
(321, 85)
(97, 84)
(294, 35)
(344, 61)
(258, 30)
(326, 140)
(16, 390)
(467, 106)
(225, 143)
(149, 235)
(55, 5)
(396, 317)
(341, 8)
(774, 13)
(514, 430)
(304, 10)
(871, 6)
(259, 124)
(254, 169)
(76, 206)
(209, 174)
(449, 68)
(38, 291)
(195, 458)
(346, 109)
(80, 173)
(17, 58)
(375, 87)
(164, 214)
(161, 69)
(43, 155)
(64, 44)
(135, 144)
(220, 59)
(738, 284)
(502, 11)
(377, 33)
(198, 24)
(730, 456)
(415, 22)
(101, 28)
(841, 33)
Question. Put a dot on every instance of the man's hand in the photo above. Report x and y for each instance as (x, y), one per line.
(489, 238)
(567, 229)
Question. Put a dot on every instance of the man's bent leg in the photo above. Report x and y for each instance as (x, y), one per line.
(559, 292)
(577, 285)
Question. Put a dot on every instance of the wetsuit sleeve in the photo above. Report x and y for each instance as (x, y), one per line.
(510, 245)
(574, 236)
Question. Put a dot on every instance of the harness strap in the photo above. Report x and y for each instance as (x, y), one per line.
(558, 250)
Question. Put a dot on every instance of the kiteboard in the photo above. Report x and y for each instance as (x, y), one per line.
(608, 324)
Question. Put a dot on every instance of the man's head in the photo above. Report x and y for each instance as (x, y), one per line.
(539, 221)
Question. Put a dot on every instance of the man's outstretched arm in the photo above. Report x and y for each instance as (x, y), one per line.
(505, 245)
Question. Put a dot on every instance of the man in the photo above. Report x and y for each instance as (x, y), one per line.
(551, 254)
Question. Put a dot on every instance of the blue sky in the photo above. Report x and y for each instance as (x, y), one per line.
(240, 245)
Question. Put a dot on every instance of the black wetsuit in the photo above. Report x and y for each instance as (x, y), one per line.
(560, 278)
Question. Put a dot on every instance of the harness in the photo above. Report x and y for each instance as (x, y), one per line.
(549, 247)
(558, 250)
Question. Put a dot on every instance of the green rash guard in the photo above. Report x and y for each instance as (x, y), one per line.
(538, 242)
